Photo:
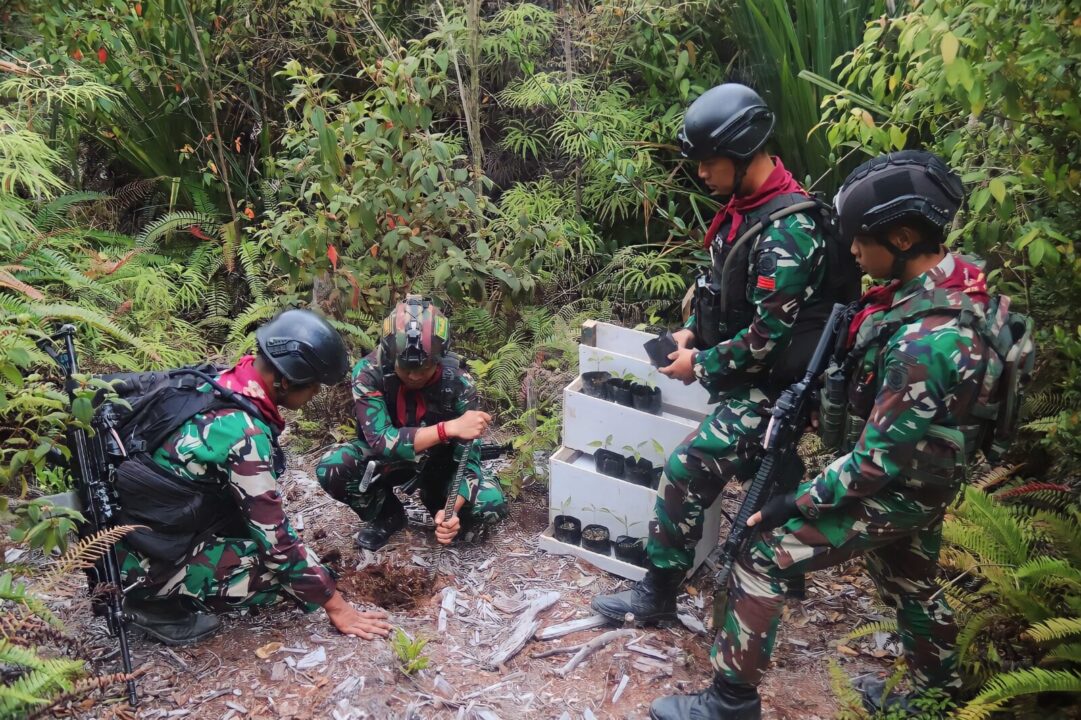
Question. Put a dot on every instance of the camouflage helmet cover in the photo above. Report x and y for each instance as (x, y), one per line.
(416, 334)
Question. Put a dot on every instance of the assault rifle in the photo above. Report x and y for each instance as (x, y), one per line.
(93, 486)
(779, 458)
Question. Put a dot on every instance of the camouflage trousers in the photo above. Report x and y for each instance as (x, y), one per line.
(899, 538)
(725, 446)
(219, 574)
(341, 470)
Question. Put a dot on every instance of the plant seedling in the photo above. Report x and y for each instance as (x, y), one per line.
(409, 651)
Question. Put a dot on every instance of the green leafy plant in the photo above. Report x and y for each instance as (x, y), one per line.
(409, 651)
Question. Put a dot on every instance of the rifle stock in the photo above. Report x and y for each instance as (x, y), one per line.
(790, 414)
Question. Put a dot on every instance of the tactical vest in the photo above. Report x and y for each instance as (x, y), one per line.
(440, 400)
(943, 457)
(176, 511)
(734, 276)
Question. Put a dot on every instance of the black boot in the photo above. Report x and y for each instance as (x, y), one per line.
(652, 599)
(720, 701)
(937, 702)
(391, 519)
(169, 622)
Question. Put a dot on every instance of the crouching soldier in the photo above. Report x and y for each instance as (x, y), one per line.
(915, 367)
(215, 535)
(416, 412)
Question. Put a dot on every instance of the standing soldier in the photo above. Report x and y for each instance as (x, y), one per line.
(416, 411)
(914, 369)
(755, 326)
(214, 529)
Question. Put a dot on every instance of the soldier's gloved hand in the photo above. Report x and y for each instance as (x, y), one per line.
(445, 532)
(366, 624)
(470, 426)
(776, 512)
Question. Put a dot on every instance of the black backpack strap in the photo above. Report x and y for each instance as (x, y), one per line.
(449, 385)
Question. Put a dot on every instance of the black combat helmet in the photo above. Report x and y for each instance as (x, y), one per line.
(729, 120)
(303, 347)
(910, 186)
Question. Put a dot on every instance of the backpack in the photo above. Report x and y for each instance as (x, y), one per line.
(157, 403)
(1009, 336)
(993, 419)
(171, 512)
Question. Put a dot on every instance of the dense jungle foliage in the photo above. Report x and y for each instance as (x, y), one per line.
(174, 172)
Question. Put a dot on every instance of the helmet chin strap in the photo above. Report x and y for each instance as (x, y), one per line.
(900, 257)
(741, 173)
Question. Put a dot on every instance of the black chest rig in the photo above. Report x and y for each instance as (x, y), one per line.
(429, 405)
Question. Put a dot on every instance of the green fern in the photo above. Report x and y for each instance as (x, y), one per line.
(868, 629)
(1055, 629)
(1008, 686)
(176, 221)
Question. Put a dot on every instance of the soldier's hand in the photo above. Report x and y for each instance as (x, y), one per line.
(445, 532)
(684, 338)
(471, 425)
(682, 367)
(366, 624)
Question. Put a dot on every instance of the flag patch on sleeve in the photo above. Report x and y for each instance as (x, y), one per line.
(766, 283)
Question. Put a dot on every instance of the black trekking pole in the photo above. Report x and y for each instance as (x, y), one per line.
(92, 467)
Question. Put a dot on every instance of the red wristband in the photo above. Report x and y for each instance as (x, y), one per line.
(441, 429)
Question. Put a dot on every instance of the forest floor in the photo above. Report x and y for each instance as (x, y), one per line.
(281, 663)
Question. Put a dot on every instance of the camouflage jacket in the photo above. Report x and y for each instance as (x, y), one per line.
(788, 267)
(230, 448)
(388, 425)
(924, 379)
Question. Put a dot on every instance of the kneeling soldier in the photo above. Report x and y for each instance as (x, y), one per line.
(416, 414)
(214, 532)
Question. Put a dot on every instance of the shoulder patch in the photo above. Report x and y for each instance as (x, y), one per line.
(767, 263)
(897, 372)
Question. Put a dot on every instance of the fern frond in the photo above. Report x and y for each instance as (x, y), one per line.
(849, 700)
(1068, 653)
(83, 554)
(1054, 629)
(1031, 488)
(1006, 686)
(1062, 530)
(52, 214)
(174, 221)
(882, 626)
(1043, 404)
(995, 477)
(81, 688)
(1051, 571)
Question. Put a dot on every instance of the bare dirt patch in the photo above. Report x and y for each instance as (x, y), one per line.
(388, 586)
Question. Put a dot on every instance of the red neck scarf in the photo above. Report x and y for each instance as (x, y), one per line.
(779, 182)
(422, 405)
(965, 277)
(246, 380)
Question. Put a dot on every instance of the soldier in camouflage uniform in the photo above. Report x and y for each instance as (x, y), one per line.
(774, 283)
(222, 540)
(416, 412)
(915, 368)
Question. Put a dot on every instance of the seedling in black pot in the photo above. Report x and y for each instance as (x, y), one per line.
(568, 529)
(619, 391)
(595, 383)
(646, 398)
(659, 348)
